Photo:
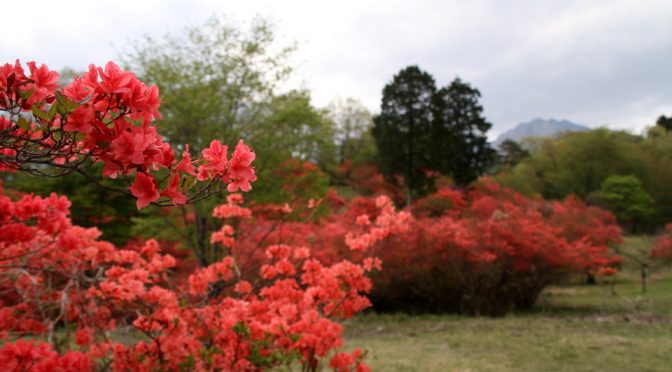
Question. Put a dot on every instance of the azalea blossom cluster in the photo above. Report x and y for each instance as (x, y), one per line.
(61, 283)
(364, 222)
(25, 355)
(106, 115)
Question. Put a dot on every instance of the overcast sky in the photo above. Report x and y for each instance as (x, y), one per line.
(591, 62)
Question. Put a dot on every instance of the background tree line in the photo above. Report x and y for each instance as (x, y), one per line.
(626, 173)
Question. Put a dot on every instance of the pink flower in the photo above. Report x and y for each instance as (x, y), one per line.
(241, 162)
(242, 184)
(129, 147)
(80, 120)
(45, 82)
(243, 287)
(144, 189)
(241, 171)
(114, 79)
(185, 164)
(172, 192)
(216, 161)
(165, 156)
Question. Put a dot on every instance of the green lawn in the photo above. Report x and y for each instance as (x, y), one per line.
(574, 327)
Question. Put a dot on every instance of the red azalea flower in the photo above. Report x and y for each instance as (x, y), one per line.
(144, 189)
(172, 192)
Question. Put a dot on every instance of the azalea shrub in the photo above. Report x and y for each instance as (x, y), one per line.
(70, 292)
(492, 251)
(331, 238)
(367, 180)
(662, 249)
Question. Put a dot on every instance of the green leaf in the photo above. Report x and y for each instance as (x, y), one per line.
(188, 364)
(66, 103)
(187, 182)
(26, 94)
(53, 110)
(61, 109)
(241, 329)
(23, 123)
(40, 114)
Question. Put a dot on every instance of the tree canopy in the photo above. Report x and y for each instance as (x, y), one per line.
(421, 130)
(664, 122)
(402, 130)
(352, 127)
(461, 147)
(216, 80)
(581, 162)
(625, 197)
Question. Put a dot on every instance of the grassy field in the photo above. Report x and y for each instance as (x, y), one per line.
(574, 327)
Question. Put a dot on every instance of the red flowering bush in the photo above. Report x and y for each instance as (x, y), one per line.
(29, 356)
(60, 282)
(324, 237)
(662, 248)
(439, 203)
(486, 251)
(493, 250)
(367, 180)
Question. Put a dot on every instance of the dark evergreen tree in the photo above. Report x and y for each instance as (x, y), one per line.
(460, 146)
(665, 122)
(420, 129)
(402, 130)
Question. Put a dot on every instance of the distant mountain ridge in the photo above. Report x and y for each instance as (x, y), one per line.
(539, 128)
